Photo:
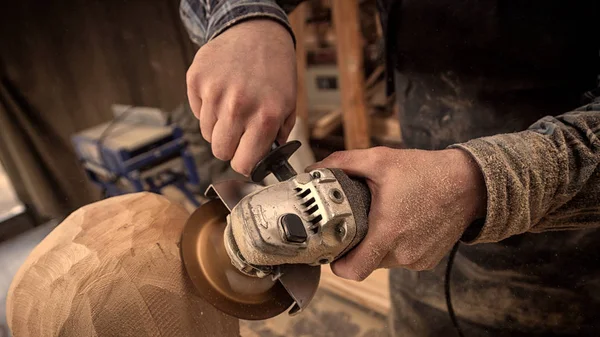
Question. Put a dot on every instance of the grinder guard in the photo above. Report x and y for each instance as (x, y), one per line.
(281, 233)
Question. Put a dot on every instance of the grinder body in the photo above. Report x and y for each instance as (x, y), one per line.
(313, 218)
(254, 251)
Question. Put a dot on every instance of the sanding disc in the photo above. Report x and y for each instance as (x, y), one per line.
(216, 279)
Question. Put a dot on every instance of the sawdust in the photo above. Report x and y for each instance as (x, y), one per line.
(113, 268)
(521, 173)
(421, 219)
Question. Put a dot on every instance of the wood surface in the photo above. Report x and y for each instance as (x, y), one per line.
(345, 14)
(113, 268)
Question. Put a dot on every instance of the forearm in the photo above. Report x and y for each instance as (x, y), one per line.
(545, 178)
(206, 19)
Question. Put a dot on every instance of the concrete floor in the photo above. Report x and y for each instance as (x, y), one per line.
(13, 253)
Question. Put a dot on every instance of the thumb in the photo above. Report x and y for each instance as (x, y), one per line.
(353, 162)
(359, 262)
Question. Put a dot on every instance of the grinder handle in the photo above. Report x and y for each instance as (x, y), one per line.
(358, 194)
(276, 162)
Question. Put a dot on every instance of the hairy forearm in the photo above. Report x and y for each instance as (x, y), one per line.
(545, 178)
(206, 19)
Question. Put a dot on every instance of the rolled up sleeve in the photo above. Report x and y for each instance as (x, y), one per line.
(544, 179)
(206, 19)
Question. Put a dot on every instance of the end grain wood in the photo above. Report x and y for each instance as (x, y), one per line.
(113, 268)
(352, 81)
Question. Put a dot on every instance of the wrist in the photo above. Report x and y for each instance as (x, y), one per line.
(471, 192)
(266, 27)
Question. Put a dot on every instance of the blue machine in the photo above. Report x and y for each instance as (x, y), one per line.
(138, 151)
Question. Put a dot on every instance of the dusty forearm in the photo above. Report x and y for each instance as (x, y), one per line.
(206, 19)
(545, 178)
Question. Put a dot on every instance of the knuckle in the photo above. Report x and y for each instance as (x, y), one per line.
(206, 134)
(238, 102)
(239, 98)
(406, 259)
(421, 265)
(268, 121)
(379, 152)
(208, 90)
(221, 152)
(278, 106)
(240, 166)
(191, 78)
(351, 273)
(339, 156)
(379, 156)
(219, 155)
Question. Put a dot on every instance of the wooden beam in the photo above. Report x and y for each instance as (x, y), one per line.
(298, 22)
(345, 15)
(326, 124)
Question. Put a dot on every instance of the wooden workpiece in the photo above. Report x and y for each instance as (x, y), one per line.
(345, 14)
(113, 268)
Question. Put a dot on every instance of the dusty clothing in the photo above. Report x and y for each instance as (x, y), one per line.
(487, 68)
(479, 68)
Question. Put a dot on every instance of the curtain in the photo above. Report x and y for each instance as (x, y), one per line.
(42, 167)
(62, 65)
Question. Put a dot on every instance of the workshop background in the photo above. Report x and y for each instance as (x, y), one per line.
(70, 70)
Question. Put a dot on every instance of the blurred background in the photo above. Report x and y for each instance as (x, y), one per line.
(93, 104)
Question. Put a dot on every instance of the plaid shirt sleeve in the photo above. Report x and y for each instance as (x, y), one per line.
(206, 19)
(544, 179)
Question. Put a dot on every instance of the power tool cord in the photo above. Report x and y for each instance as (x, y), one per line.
(447, 289)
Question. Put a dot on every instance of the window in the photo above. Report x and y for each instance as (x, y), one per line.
(10, 205)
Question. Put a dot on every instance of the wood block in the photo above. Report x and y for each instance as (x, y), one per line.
(326, 124)
(345, 14)
(298, 22)
(113, 268)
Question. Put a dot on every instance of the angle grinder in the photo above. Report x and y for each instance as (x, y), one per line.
(254, 252)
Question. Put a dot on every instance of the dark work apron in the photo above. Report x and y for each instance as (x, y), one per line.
(466, 69)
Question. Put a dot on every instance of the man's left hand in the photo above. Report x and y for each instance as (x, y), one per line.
(421, 203)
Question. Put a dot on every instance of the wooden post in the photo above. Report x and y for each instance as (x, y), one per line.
(345, 15)
(298, 22)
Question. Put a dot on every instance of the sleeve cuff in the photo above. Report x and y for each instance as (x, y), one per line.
(245, 12)
(493, 164)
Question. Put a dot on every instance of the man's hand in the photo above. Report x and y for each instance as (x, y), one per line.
(421, 203)
(242, 88)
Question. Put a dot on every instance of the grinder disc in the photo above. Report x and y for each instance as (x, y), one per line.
(219, 282)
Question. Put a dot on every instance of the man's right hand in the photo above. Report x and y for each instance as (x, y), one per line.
(242, 88)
